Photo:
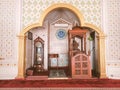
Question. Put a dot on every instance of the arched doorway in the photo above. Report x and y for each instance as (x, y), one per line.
(101, 40)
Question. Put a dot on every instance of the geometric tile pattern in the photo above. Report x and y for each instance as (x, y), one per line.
(7, 28)
(113, 39)
(113, 32)
(32, 9)
(8, 38)
(114, 48)
(114, 18)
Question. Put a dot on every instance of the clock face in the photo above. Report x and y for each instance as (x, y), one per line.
(61, 33)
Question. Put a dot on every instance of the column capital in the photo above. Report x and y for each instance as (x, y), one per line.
(101, 37)
(21, 36)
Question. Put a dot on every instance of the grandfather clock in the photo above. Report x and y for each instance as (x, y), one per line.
(38, 55)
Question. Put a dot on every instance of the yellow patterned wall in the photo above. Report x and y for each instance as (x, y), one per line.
(32, 9)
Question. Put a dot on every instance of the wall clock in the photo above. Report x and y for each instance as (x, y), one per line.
(61, 34)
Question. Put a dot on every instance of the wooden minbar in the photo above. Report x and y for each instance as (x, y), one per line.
(79, 64)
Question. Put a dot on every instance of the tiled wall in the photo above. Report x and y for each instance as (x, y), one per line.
(32, 9)
(8, 39)
(113, 39)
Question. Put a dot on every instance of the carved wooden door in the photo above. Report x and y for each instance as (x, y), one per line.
(81, 66)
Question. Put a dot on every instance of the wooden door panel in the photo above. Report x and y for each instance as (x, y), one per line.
(81, 66)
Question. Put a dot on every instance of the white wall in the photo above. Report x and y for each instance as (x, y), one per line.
(58, 45)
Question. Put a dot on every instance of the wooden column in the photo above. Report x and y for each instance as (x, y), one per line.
(101, 56)
(21, 57)
(82, 44)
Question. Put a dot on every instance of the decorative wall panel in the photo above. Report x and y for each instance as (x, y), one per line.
(7, 9)
(113, 39)
(63, 59)
(113, 30)
(8, 39)
(32, 10)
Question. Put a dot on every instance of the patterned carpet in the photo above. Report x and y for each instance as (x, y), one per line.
(57, 73)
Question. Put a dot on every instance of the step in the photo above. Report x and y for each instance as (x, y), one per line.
(37, 78)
